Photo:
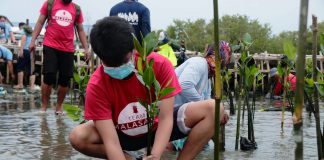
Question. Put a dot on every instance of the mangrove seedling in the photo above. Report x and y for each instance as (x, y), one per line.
(146, 75)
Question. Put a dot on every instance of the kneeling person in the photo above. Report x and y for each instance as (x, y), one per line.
(117, 119)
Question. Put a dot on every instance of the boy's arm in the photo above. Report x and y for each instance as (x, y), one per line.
(164, 129)
(108, 134)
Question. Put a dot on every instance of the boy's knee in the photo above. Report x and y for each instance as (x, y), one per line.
(211, 106)
(78, 138)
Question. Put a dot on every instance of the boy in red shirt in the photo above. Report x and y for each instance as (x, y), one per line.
(58, 47)
(117, 119)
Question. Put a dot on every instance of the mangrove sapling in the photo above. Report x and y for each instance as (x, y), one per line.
(249, 73)
(238, 106)
(226, 76)
(81, 78)
(146, 75)
(319, 135)
(300, 65)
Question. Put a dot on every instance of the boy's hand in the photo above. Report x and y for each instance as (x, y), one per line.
(225, 118)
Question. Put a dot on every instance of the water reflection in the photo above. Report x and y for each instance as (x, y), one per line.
(24, 134)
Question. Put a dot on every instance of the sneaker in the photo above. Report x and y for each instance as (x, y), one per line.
(59, 113)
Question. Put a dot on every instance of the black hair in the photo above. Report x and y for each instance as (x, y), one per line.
(111, 39)
(20, 24)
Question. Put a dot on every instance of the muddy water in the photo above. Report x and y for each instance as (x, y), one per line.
(24, 134)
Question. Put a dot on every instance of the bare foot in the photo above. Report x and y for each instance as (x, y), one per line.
(18, 87)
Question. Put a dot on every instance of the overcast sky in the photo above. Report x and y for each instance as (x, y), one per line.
(282, 15)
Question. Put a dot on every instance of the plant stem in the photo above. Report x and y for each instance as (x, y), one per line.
(319, 135)
(238, 100)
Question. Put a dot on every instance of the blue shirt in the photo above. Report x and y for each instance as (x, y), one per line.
(136, 14)
(5, 53)
(28, 39)
(193, 78)
(5, 30)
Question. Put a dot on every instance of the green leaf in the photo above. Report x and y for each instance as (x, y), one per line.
(151, 42)
(72, 111)
(166, 91)
(320, 88)
(243, 56)
(157, 87)
(247, 39)
(138, 46)
(140, 65)
(77, 78)
(148, 76)
(290, 50)
(143, 103)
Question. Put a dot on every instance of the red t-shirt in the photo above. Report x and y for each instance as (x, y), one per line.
(278, 88)
(60, 29)
(109, 98)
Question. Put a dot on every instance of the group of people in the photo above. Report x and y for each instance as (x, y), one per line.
(25, 57)
(116, 120)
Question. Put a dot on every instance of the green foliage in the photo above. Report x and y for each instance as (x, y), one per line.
(290, 50)
(146, 72)
(320, 88)
(232, 28)
(73, 111)
(322, 43)
(81, 78)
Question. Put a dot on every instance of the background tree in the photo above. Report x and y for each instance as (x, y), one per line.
(231, 28)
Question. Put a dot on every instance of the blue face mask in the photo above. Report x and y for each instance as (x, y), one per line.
(120, 72)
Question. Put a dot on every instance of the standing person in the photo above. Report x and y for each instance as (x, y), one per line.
(6, 54)
(117, 119)
(6, 31)
(181, 57)
(24, 56)
(58, 46)
(137, 14)
(165, 49)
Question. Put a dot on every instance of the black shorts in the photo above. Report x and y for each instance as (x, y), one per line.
(57, 61)
(136, 143)
(24, 62)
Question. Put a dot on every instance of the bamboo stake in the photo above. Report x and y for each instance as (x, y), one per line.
(299, 100)
(319, 135)
(217, 81)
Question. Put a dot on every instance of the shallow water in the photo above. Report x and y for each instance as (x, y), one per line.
(26, 135)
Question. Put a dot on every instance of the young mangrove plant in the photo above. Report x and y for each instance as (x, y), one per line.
(284, 67)
(319, 135)
(218, 85)
(300, 72)
(145, 73)
(81, 78)
(249, 74)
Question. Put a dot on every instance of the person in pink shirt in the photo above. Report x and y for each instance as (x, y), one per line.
(58, 47)
(117, 121)
(277, 88)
